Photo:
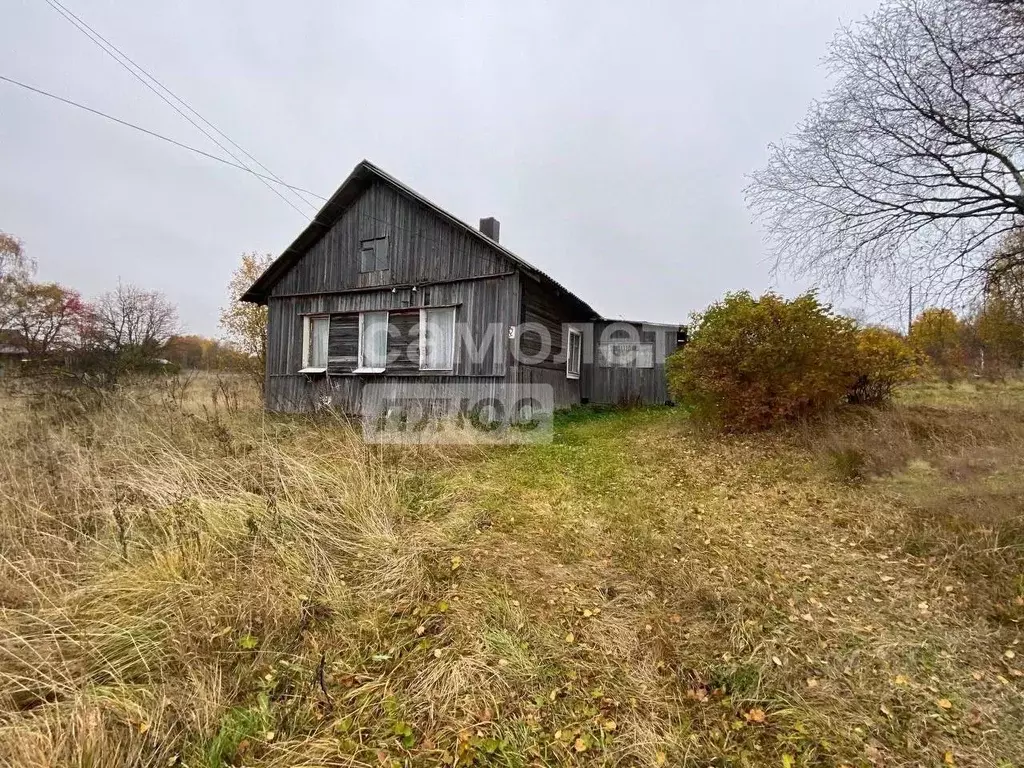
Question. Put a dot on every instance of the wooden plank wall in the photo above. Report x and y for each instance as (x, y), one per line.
(545, 305)
(421, 247)
(629, 386)
(484, 306)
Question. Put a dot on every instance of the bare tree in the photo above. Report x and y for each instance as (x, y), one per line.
(130, 321)
(913, 163)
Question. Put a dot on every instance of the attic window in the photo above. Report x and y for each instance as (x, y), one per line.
(373, 255)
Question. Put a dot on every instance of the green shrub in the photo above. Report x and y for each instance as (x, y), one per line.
(883, 361)
(753, 363)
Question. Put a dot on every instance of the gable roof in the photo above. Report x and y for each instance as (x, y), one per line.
(362, 176)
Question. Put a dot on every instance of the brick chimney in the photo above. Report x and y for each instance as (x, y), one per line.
(490, 227)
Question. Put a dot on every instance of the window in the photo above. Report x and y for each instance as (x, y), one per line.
(572, 354)
(437, 339)
(373, 255)
(315, 331)
(373, 342)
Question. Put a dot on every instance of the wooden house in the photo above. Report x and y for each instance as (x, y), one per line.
(385, 289)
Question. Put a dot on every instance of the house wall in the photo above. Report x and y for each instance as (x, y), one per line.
(628, 385)
(546, 306)
(421, 246)
(485, 308)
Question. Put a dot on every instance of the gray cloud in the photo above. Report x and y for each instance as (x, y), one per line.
(610, 139)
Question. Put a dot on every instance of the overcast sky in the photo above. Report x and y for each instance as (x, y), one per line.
(611, 139)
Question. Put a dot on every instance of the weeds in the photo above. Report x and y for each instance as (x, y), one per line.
(194, 583)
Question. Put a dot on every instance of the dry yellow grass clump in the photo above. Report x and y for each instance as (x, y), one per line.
(185, 581)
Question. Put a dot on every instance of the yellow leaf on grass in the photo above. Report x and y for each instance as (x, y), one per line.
(756, 715)
(788, 761)
(580, 745)
(948, 759)
(610, 725)
(570, 638)
(945, 703)
(456, 563)
(660, 758)
(901, 680)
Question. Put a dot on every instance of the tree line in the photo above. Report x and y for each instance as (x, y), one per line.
(128, 329)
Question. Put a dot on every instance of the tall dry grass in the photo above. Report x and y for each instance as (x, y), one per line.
(162, 568)
(187, 581)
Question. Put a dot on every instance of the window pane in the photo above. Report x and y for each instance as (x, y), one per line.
(438, 334)
(319, 329)
(373, 340)
(573, 360)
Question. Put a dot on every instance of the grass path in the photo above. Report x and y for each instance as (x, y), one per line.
(751, 606)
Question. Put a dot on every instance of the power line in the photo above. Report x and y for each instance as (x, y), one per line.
(155, 135)
(70, 102)
(96, 38)
(56, 4)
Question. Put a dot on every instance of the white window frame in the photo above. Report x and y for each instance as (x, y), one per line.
(423, 337)
(359, 348)
(569, 373)
(307, 334)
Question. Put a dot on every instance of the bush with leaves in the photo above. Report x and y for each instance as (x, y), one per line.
(753, 363)
(883, 360)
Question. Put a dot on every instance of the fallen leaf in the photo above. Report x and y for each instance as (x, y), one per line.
(948, 759)
(570, 638)
(587, 613)
(660, 758)
(788, 761)
(885, 711)
(580, 745)
(755, 715)
(420, 629)
(143, 727)
(901, 680)
(1010, 655)
(945, 703)
(777, 660)
(456, 563)
(610, 725)
(812, 682)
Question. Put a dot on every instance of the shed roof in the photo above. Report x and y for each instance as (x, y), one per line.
(361, 177)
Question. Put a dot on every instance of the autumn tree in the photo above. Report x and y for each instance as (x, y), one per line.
(46, 317)
(913, 162)
(938, 334)
(245, 324)
(998, 331)
(15, 268)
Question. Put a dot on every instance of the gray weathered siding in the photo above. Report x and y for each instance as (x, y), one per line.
(421, 248)
(629, 386)
(545, 305)
(483, 306)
